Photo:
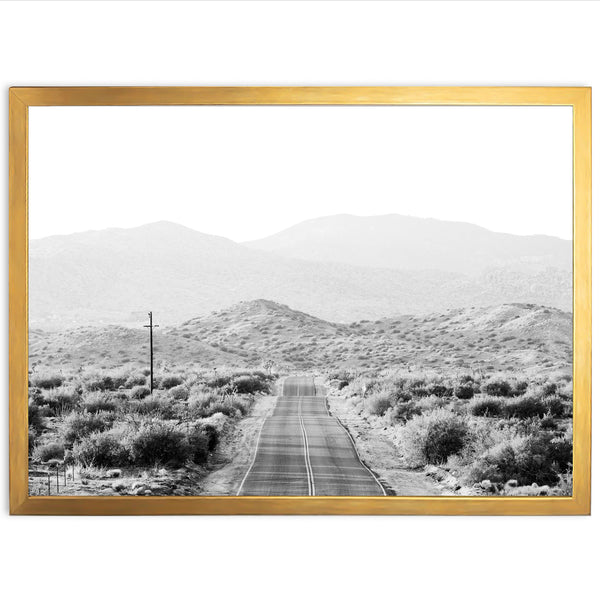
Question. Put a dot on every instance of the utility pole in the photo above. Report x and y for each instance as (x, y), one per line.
(151, 327)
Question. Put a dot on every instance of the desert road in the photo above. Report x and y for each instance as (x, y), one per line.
(304, 451)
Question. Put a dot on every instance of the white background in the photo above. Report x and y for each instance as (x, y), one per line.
(312, 43)
(247, 172)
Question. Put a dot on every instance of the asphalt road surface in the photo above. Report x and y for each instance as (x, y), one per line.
(303, 451)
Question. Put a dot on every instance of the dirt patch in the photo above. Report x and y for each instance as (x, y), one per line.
(379, 453)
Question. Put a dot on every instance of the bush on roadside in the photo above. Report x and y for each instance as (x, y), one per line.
(80, 425)
(101, 449)
(251, 384)
(159, 444)
(403, 411)
(379, 403)
(45, 451)
(540, 458)
(432, 438)
(202, 440)
(35, 419)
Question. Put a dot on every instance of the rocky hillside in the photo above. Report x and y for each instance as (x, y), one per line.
(506, 337)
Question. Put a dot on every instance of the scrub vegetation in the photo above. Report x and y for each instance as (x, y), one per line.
(489, 434)
(98, 423)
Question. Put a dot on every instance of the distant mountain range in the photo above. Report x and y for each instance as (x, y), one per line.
(338, 268)
(415, 244)
(521, 337)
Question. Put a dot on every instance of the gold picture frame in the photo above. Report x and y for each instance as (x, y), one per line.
(21, 98)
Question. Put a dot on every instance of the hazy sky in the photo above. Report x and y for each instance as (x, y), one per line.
(247, 172)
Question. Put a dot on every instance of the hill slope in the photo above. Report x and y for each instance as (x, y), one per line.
(400, 242)
(507, 337)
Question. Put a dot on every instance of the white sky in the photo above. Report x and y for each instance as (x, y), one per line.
(247, 172)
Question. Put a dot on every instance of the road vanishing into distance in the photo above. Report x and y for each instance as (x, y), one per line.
(304, 451)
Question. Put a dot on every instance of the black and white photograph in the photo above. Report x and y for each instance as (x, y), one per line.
(300, 301)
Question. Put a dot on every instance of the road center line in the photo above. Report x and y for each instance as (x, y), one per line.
(309, 472)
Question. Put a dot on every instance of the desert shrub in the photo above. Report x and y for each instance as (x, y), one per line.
(379, 403)
(199, 400)
(539, 458)
(525, 408)
(549, 389)
(180, 392)
(219, 406)
(80, 425)
(519, 388)
(445, 438)
(139, 392)
(212, 434)
(487, 407)
(250, 384)
(464, 391)
(170, 381)
(497, 387)
(198, 445)
(96, 402)
(168, 408)
(62, 399)
(46, 382)
(419, 391)
(218, 381)
(159, 443)
(403, 411)
(433, 437)
(202, 440)
(565, 390)
(101, 449)
(35, 418)
(146, 406)
(555, 406)
(32, 439)
(432, 402)
(36, 396)
(134, 380)
(44, 452)
(548, 423)
(105, 383)
(439, 389)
